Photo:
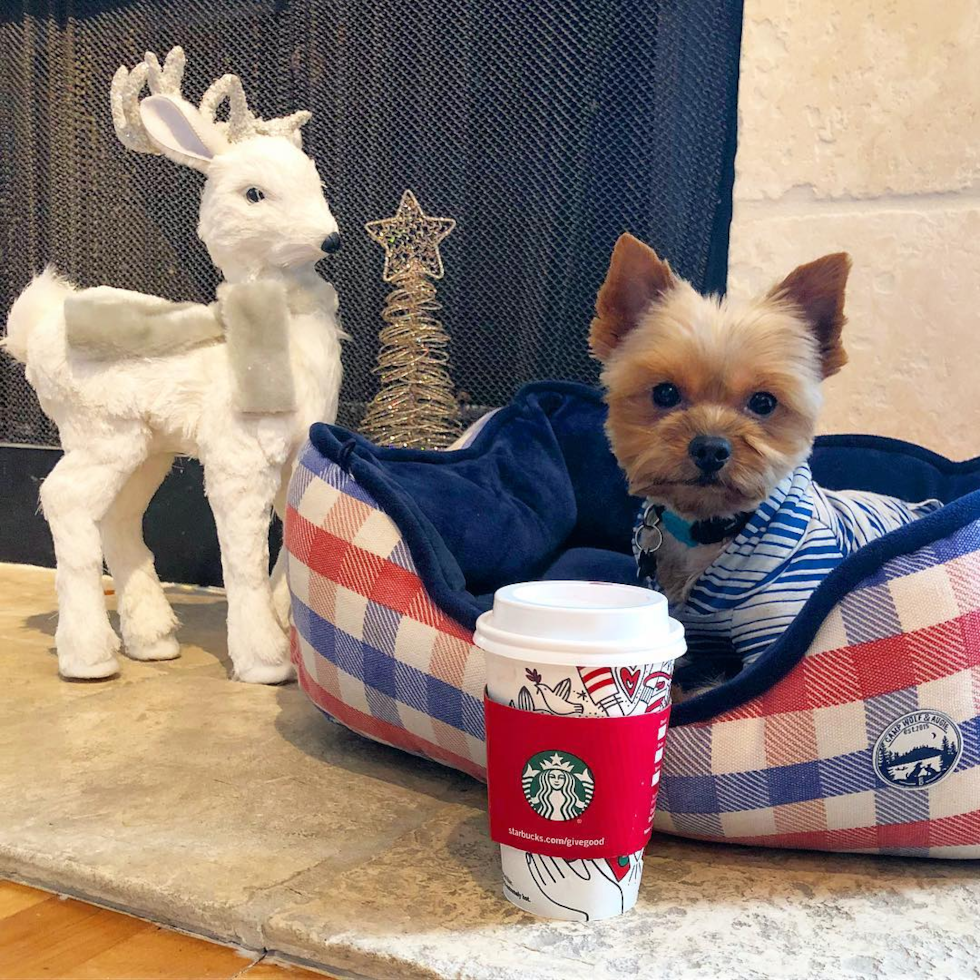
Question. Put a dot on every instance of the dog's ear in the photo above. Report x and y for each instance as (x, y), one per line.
(817, 290)
(636, 277)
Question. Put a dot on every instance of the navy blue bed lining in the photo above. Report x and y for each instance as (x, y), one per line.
(538, 494)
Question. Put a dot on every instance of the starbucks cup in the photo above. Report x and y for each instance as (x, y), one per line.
(580, 650)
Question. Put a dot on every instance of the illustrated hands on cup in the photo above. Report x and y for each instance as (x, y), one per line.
(586, 887)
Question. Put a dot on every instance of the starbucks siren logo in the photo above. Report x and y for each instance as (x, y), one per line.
(557, 785)
(918, 749)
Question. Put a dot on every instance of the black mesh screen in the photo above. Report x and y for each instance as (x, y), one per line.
(545, 127)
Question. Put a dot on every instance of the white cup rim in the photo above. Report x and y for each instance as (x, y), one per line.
(615, 653)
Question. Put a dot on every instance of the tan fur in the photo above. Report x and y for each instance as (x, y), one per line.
(718, 353)
(817, 291)
(637, 276)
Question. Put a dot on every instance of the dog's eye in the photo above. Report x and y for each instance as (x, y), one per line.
(253, 195)
(666, 395)
(763, 403)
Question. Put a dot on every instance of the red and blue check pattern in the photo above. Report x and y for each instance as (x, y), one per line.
(790, 768)
(793, 767)
(370, 647)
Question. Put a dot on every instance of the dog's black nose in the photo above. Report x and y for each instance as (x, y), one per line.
(331, 243)
(710, 453)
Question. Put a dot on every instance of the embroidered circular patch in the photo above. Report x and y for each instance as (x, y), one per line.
(918, 749)
(557, 785)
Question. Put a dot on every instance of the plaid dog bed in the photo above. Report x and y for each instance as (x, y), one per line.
(859, 730)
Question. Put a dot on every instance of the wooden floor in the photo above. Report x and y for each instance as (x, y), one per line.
(44, 935)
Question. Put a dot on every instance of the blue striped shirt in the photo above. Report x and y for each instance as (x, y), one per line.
(754, 589)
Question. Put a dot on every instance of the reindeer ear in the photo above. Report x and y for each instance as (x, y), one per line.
(817, 290)
(180, 132)
(636, 277)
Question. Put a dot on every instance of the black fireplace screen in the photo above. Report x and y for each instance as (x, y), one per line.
(545, 127)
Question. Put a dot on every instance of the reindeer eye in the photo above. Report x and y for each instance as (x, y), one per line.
(254, 195)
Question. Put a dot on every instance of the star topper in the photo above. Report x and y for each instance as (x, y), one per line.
(411, 240)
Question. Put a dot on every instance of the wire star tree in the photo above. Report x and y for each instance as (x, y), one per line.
(415, 407)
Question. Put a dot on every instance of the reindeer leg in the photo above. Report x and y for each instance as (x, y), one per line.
(75, 498)
(148, 623)
(242, 499)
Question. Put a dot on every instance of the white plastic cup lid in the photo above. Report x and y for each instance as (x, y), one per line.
(578, 616)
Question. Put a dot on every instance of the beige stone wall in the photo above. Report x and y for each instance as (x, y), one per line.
(859, 130)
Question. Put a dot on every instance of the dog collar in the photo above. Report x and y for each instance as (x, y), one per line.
(694, 533)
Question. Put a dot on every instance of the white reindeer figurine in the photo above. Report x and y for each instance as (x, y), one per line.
(133, 380)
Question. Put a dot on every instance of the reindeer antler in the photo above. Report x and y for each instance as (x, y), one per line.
(242, 122)
(166, 80)
(288, 126)
(127, 86)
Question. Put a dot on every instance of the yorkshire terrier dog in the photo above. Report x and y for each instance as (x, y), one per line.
(712, 412)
